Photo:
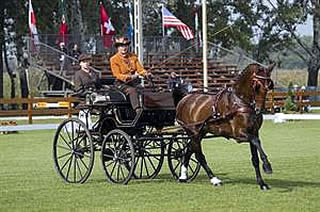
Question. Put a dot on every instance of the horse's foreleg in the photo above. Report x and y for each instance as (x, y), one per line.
(266, 164)
(255, 163)
(203, 162)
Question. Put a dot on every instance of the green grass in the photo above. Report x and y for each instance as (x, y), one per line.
(28, 181)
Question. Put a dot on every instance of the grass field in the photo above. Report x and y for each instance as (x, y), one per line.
(28, 181)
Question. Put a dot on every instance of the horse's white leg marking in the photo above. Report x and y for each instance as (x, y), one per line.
(215, 181)
(184, 171)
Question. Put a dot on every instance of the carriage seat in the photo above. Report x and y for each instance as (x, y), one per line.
(109, 80)
(157, 101)
(108, 96)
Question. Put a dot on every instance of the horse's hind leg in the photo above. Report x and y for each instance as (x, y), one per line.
(255, 163)
(185, 163)
(203, 162)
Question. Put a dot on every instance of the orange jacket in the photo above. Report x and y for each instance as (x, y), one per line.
(122, 69)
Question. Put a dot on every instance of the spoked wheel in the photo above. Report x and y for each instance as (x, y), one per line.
(149, 157)
(117, 156)
(176, 151)
(73, 151)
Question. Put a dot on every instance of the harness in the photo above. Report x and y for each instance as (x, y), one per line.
(237, 108)
(242, 107)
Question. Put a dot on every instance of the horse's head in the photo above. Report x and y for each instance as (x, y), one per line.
(253, 85)
(261, 84)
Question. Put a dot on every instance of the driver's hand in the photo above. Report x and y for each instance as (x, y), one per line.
(133, 77)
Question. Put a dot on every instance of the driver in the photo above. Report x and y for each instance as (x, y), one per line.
(126, 68)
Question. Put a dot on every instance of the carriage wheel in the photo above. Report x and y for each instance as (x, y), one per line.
(117, 156)
(176, 150)
(149, 158)
(73, 151)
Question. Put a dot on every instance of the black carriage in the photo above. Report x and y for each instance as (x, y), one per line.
(132, 145)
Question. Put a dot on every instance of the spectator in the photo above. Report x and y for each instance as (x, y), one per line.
(62, 55)
(75, 53)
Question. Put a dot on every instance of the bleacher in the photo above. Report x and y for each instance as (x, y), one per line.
(188, 68)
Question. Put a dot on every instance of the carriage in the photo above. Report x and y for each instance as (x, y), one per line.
(134, 146)
(131, 145)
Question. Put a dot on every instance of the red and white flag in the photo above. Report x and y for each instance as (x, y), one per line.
(169, 20)
(63, 31)
(32, 25)
(107, 29)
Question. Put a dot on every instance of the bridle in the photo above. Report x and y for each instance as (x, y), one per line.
(262, 82)
(257, 81)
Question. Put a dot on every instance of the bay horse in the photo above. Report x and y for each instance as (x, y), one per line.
(234, 112)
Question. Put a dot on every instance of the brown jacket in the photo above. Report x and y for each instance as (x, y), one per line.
(84, 80)
(122, 68)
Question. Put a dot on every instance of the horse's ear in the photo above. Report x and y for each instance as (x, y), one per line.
(270, 68)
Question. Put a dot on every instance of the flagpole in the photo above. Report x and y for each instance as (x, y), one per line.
(196, 22)
(204, 49)
(101, 27)
(162, 21)
(138, 38)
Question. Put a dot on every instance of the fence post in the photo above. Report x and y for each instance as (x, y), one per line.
(272, 101)
(300, 95)
(29, 112)
(69, 108)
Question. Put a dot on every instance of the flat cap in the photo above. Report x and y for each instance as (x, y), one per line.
(84, 57)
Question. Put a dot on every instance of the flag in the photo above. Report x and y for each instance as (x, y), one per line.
(107, 29)
(32, 26)
(130, 28)
(169, 20)
(63, 31)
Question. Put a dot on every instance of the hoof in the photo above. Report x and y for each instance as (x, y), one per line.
(218, 185)
(182, 180)
(264, 187)
(267, 168)
(216, 181)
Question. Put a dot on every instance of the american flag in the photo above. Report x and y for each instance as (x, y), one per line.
(169, 20)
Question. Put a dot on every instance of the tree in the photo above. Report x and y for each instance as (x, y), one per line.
(264, 27)
(301, 10)
(314, 61)
(2, 6)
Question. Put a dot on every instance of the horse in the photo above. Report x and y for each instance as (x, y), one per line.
(234, 112)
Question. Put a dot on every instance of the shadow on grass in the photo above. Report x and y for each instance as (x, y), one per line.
(283, 184)
(286, 185)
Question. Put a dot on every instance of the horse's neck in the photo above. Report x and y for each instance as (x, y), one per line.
(244, 90)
